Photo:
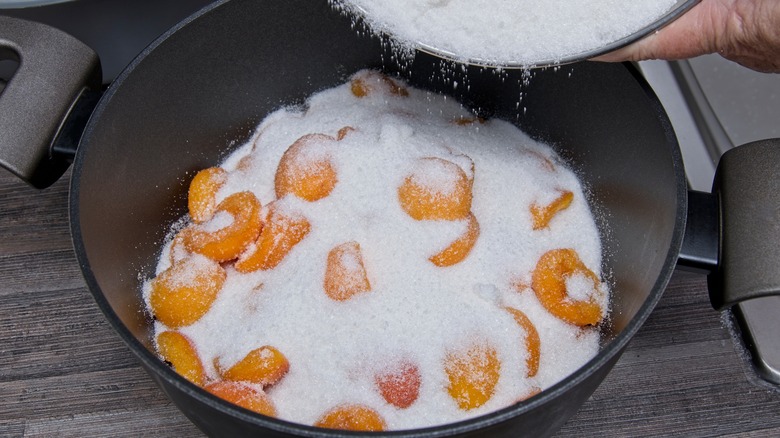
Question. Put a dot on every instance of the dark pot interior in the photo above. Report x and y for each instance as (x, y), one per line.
(201, 89)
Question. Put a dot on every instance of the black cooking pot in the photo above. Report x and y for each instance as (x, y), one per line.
(203, 86)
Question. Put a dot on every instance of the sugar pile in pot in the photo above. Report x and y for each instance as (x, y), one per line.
(409, 258)
(499, 32)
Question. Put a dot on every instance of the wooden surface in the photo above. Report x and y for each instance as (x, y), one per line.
(64, 372)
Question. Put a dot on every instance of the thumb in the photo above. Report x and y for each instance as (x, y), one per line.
(692, 34)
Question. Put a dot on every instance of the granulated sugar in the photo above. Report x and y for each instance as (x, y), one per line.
(499, 32)
(415, 312)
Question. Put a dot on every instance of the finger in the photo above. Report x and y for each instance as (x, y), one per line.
(692, 34)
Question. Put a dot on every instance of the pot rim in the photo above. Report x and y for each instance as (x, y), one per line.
(155, 366)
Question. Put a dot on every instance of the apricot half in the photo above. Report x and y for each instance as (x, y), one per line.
(178, 351)
(229, 242)
(436, 189)
(280, 233)
(345, 274)
(399, 383)
(369, 82)
(183, 293)
(549, 283)
(244, 395)
(460, 248)
(532, 341)
(473, 374)
(306, 169)
(265, 366)
(201, 200)
(542, 215)
(352, 417)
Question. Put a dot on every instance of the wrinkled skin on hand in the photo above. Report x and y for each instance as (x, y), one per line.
(743, 31)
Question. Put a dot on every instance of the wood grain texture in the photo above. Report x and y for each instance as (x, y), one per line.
(64, 372)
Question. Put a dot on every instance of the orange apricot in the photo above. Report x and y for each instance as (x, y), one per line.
(343, 132)
(183, 293)
(473, 375)
(244, 395)
(548, 281)
(201, 199)
(306, 170)
(543, 215)
(178, 351)
(460, 248)
(345, 274)
(265, 366)
(280, 233)
(369, 82)
(532, 341)
(352, 417)
(437, 189)
(229, 242)
(399, 384)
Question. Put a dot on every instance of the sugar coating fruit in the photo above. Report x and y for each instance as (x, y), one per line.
(178, 250)
(549, 283)
(265, 366)
(244, 395)
(229, 242)
(532, 342)
(473, 374)
(399, 383)
(306, 169)
(460, 248)
(542, 215)
(201, 200)
(183, 293)
(281, 232)
(177, 350)
(535, 390)
(436, 189)
(352, 417)
(369, 82)
(345, 273)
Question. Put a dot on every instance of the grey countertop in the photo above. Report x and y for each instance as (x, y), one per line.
(64, 372)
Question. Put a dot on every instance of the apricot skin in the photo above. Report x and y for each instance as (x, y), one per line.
(345, 273)
(201, 199)
(279, 235)
(177, 349)
(548, 281)
(183, 293)
(310, 180)
(352, 417)
(532, 340)
(400, 384)
(265, 366)
(459, 249)
(473, 375)
(422, 202)
(243, 395)
(229, 242)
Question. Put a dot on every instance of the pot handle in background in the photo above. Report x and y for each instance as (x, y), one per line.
(47, 102)
(734, 232)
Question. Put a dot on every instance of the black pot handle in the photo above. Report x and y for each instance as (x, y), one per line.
(55, 70)
(734, 232)
(747, 183)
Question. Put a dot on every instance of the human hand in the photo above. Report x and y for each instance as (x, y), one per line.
(743, 31)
